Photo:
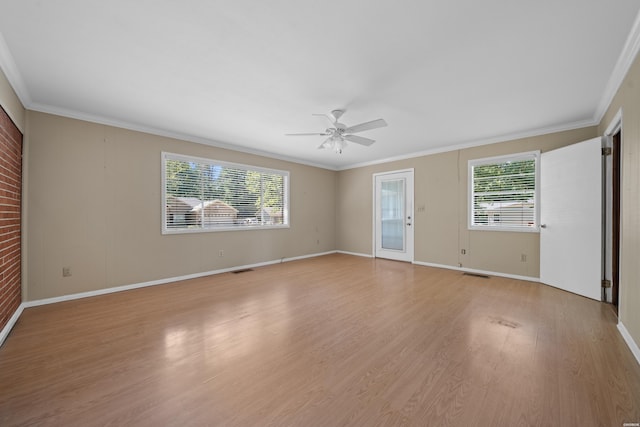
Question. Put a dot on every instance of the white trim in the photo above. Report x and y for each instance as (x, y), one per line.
(525, 155)
(472, 270)
(408, 170)
(296, 258)
(10, 69)
(15, 79)
(471, 163)
(105, 291)
(355, 254)
(410, 212)
(43, 108)
(633, 346)
(12, 321)
(166, 156)
(477, 143)
(624, 62)
(620, 70)
(373, 197)
(615, 124)
(229, 146)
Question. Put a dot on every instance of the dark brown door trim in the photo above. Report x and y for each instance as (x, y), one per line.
(615, 219)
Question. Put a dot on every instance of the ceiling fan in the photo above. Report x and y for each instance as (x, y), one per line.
(340, 133)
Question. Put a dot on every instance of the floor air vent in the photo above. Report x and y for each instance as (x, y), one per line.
(242, 270)
(484, 276)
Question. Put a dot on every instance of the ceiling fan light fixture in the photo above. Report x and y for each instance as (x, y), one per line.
(326, 144)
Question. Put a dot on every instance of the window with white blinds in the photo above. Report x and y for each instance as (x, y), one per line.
(504, 193)
(210, 195)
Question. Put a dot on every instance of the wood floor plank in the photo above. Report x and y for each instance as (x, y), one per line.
(336, 340)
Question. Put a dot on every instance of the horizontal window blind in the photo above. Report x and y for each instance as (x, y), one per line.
(202, 194)
(503, 192)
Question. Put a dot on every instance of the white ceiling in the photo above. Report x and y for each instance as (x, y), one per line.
(241, 73)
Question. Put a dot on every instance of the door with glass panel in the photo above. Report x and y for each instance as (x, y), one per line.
(393, 206)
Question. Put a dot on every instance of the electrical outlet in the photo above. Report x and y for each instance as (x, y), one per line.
(523, 258)
(221, 253)
(318, 242)
(66, 271)
(463, 251)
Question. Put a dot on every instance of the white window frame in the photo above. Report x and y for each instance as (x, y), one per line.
(529, 155)
(239, 227)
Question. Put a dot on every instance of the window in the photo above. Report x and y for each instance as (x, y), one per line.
(210, 195)
(504, 193)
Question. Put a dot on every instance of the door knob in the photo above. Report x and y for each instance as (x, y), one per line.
(543, 225)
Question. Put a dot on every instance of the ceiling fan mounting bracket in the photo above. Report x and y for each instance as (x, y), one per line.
(337, 114)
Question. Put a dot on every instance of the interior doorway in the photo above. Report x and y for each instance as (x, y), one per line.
(613, 211)
(615, 218)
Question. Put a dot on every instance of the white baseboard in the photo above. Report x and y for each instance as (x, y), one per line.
(295, 258)
(633, 346)
(105, 291)
(12, 321)
(471, 270)
(355, 254)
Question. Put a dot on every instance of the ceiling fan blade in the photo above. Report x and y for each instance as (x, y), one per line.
(306, 134)
(373, 124)
(325, 116)
(359, 140)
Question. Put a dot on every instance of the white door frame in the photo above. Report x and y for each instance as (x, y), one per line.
(409, 212)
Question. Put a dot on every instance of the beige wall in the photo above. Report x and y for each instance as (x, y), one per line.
(11, 103)
(628, 98)
(94, 198)
(441, 227)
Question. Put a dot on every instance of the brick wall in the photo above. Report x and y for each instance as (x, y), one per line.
(10, 196)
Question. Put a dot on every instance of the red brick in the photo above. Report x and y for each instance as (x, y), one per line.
(10, 217)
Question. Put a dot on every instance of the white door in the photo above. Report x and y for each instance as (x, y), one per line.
(571, 218)
(393, 206)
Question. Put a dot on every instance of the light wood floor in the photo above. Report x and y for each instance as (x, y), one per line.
(331, 341)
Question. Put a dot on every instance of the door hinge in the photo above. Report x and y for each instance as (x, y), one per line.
(606, 283)
(606, 151)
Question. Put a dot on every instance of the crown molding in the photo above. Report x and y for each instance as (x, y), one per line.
(620, 70)
(73, 114)
(10, 70)
(477, 143)
(622, 66)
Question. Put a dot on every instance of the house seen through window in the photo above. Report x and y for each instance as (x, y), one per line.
(503, 193)
(210, 195)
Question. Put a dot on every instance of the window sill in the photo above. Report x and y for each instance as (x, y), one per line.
(509, 229)
(222, 229)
